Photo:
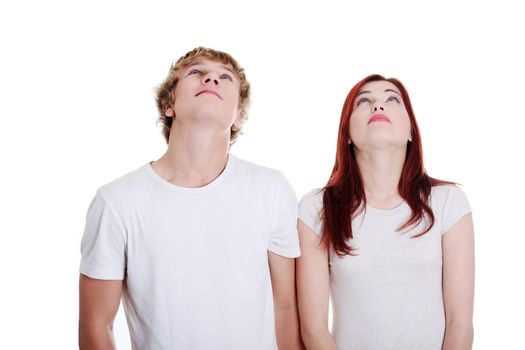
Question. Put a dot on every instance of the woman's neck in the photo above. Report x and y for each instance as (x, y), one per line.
(380, 172)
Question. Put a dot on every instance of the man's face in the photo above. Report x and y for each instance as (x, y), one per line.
(208, 93)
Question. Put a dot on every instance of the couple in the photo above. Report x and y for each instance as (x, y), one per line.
(208, 252)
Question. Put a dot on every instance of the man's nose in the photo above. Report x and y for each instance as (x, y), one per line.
(211, 78)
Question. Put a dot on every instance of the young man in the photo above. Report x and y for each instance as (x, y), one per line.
(200, 243)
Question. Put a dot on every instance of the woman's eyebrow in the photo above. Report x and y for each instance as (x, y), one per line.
(362, 92)
(387, 90)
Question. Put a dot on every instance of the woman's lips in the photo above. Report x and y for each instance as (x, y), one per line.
(208, 91)
(379, 118)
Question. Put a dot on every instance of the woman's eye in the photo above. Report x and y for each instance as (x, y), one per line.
(226, 76)
(393, 98)
(194, 71)
(362, 100)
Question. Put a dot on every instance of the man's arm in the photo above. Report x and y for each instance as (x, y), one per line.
(458, 284)
(99, 301)
(282, 272)
(313, 291)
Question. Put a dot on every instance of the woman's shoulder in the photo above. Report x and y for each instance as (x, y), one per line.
(446, 191)
(448, 198)
(449, 203)
(313, 197)
(310, 208)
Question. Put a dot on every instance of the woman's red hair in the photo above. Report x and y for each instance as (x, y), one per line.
(344, 194)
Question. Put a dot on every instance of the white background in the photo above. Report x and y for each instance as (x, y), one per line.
(77, 110)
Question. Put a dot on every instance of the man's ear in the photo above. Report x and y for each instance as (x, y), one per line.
(168, 109)
(237, 123)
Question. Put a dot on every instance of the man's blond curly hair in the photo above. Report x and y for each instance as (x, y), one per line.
(164, 93)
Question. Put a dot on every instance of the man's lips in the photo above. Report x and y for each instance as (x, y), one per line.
(208, 91)
(379, 118)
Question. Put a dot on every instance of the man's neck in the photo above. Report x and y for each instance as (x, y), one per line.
(193, 159)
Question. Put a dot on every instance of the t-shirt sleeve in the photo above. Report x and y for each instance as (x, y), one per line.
(310, 208)
(103, 245)
(455, 207)
(284, 239)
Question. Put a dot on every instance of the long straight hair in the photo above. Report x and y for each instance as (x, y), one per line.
(344, 193)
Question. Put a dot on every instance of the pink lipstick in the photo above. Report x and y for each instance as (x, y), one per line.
(379, 118)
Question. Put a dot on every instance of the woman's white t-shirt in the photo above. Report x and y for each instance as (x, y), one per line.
(389, 295)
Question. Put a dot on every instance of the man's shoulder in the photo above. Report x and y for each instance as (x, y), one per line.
(126, 187)
(262, 178)
(259, 172)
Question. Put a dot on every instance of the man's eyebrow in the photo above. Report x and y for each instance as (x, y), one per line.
(195, 63)
(387, 90)
(229, 69)
(200, 63)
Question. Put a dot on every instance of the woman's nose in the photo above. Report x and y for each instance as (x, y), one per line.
(380, 107)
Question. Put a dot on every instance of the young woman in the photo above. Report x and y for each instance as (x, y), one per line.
(393, 246)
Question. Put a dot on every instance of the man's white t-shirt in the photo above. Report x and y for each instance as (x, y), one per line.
(194, 260)
(389, 295)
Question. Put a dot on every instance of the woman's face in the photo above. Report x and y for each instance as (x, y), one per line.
(379, 118)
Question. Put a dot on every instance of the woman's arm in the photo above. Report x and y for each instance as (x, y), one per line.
(458, 284)
(313, 291)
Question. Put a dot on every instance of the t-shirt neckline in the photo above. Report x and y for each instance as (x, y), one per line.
(398, 209)
(230, 164)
